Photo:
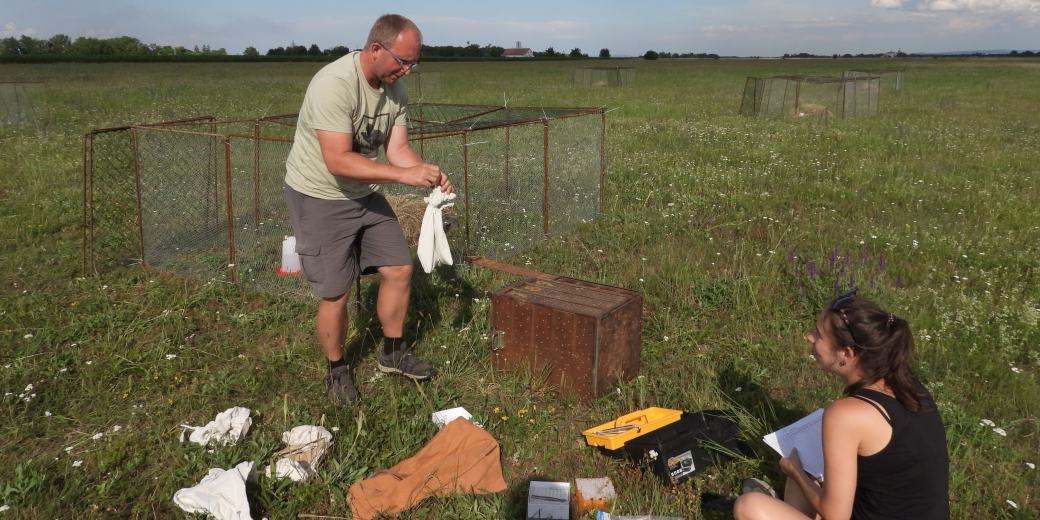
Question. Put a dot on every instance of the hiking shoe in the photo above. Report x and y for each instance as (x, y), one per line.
(407, 364)
(754, 485)
(340, 385)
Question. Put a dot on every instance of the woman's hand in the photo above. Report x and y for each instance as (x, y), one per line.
(792, 464)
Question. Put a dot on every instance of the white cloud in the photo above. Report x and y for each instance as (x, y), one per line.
(11, 29)
(994, 6)
(887, 4)
(970, 23)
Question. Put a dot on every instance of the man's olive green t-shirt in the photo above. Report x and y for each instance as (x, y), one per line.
(339, 99)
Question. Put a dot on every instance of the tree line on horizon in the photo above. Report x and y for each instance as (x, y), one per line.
(61, 45)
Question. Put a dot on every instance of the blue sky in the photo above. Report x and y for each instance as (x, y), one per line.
(733, 27)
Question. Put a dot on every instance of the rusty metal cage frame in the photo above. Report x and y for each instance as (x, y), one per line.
(24, 109)
(605, 76)
(896, 76)
(424, 130)
(759, 98)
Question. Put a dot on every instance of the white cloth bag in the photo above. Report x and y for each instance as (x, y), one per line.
(433, 242)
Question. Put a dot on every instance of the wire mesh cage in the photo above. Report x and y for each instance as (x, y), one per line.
(605, 76)
(423, 86)
(811, 96)
(21, 103)
(892, 80)
(204, 199)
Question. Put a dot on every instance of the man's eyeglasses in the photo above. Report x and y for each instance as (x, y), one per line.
(839, 306)
(410, 65)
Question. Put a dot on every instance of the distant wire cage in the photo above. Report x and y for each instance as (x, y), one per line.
(423, 86)
(811, 96)
(21, 103)
(605, 76)
(203, 198)
(892, 80)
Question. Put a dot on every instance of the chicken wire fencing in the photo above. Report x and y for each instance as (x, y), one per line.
(110, 231)
(423, 86)
(605, 76)
(22, 103)
(892, 80)
(203, 198)
(811, 96)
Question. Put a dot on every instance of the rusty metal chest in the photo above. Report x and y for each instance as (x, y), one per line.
(585, 335)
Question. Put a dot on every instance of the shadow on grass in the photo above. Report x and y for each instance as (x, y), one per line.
(758, 414)
(425, 310)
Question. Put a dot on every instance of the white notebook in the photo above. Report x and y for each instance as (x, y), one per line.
(806, 434)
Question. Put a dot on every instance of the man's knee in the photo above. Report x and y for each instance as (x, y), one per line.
(336, 301)
(396, 273)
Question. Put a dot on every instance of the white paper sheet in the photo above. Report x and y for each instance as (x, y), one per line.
(806, 434)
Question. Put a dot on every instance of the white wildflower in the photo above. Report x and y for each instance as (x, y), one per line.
(171, 356)
(1030, 465)
(1016, 370)
(4, 507)
(88, 363)
(97, 436)
(987, 422)
(63, 370)
(116, 428)
(77, 463)
(28, 336)
(335, 429)
(68, 449)
(47, 413)
(1000, 431)
(1012, 503)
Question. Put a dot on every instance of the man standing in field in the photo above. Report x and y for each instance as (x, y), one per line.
(354, 106)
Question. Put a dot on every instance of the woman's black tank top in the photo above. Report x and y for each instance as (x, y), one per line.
(908, 478)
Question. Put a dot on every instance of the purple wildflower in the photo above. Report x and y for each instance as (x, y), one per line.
(882, 264)
(810, 267)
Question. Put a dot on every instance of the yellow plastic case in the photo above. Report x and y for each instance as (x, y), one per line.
(613, 435)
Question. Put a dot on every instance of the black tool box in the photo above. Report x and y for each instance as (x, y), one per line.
(676, 452)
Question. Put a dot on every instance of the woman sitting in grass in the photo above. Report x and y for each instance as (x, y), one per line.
(884, 445)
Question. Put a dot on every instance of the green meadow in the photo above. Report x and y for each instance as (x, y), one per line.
(736, 230)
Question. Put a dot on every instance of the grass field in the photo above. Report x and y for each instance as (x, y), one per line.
(735, 229)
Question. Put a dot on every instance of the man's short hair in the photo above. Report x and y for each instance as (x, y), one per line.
(387, 27)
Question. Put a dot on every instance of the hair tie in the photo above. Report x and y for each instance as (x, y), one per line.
(891, 319)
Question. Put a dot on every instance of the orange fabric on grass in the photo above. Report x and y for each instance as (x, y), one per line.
(461, 458)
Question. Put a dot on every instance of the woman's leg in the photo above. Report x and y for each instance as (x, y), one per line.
(755, 506)
(794, 497)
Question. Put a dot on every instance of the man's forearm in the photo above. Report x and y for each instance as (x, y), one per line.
(359, 168)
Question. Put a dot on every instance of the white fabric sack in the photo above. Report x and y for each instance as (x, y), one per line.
(443, 417)
(305, 447)
(433, 242)
(228, 427)
(221, 493)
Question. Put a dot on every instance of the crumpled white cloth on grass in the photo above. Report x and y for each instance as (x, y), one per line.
(228, 427)
(221, 493)
(433, 242)
(305, 447)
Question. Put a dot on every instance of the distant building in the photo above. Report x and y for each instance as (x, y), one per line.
(518, 52)
(890, 54)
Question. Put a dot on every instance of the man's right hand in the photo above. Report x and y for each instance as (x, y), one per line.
(422, 175)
